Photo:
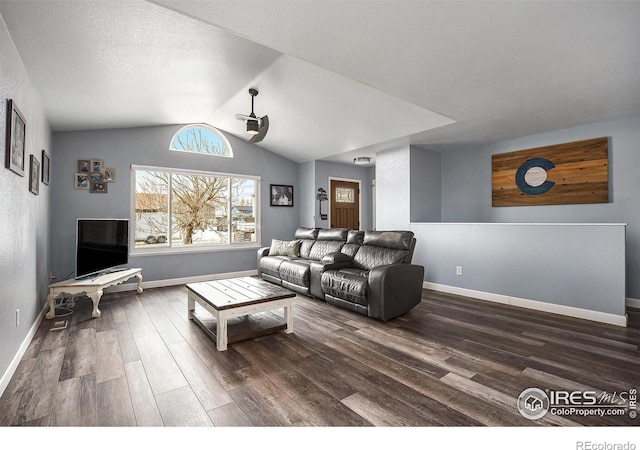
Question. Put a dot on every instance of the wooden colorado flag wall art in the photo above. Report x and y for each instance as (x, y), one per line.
(571, 173)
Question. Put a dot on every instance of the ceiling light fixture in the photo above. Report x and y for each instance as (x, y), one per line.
(360, 160)
(257, 127)
(252, 127)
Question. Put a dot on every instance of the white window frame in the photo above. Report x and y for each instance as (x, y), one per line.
(140, 251)
(214, 130)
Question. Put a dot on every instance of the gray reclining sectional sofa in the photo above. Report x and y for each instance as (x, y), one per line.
(369, 272)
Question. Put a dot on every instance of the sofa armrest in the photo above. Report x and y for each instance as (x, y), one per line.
(262, 252)
(394, 289)
(330, 261)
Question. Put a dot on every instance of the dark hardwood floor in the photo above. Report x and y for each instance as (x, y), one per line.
(450, 361)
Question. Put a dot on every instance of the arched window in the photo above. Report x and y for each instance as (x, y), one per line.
(202, 139)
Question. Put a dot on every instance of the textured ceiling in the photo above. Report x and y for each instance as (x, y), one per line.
(337, 79)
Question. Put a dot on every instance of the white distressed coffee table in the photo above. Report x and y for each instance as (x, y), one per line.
(91, 287)
(235, 297)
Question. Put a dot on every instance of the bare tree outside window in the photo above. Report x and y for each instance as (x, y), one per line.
(203, 210)
(199, 204)
(201, 139)
(152, 207)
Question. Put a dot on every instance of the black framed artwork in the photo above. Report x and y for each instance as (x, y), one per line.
(34, 175)
(46, 167)
(16, 133)
(281, 195)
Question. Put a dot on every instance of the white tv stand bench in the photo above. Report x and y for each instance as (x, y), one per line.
(92, 287)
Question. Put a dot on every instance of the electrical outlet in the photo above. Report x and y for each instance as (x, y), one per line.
(18, 317)
(458, 270)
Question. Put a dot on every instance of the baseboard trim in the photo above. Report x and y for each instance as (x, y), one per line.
(13, 366)
(179, 281)
(570, 311)
(633, 302)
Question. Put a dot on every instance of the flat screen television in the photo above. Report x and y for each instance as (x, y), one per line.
(102, 245)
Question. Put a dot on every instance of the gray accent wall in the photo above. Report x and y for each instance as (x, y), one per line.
(466, 187)
(575, 265)
(583, 266)
(315, 174)
(306, 193)
(325, 170)
(120, 149)
(425, 185)
(24, 217)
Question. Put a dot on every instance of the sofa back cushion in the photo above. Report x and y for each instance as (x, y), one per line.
(384, 247)
(355, 238)
(329, 241)
(307, 233)
(370, 256)
(307, 237)
(321, 248)
(333, 234)
(400, 240)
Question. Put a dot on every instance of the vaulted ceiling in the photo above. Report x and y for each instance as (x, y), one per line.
(337, 79)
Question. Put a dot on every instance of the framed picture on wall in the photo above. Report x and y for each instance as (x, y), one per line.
(94, 177)
(98, 188)
(46, 167)
(16, 134)
(97, 165)
(109, 175)
(82, 181)
(281, 195)
(34, 175)
(84, 165)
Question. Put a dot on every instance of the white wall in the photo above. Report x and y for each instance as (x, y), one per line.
(393, 180)
(24, 217)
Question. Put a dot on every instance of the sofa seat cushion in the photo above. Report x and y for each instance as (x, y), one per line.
(271, 264)
(296, 271)
(349, 284)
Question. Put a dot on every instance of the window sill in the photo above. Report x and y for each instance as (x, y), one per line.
(187, 250)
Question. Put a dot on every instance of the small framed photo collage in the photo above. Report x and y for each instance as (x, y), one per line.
(93, 176)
